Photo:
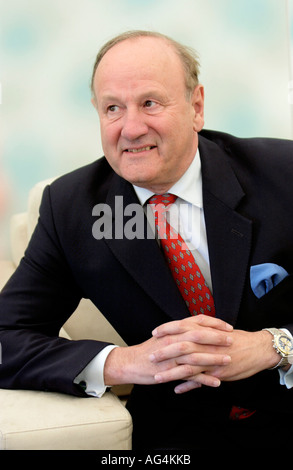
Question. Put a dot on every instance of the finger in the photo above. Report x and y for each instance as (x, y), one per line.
(201, 379)
(203, 336)
(186, 372)
(194, 340)
(180, 326)
(212, 322)
(185, 352)
(187, 386)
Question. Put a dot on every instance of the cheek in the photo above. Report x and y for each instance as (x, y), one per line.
(166, 131)
(109, 136)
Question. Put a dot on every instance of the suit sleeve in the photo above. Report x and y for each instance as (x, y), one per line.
(37, 300)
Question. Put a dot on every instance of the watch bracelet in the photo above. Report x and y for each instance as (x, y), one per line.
(284, 359)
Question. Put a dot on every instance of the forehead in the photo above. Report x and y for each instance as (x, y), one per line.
(140, 59)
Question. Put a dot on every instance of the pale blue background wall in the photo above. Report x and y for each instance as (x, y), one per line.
(47, 48)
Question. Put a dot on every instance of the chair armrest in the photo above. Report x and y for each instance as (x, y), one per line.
(32, 420)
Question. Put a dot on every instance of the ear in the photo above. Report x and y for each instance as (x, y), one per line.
(198, 107)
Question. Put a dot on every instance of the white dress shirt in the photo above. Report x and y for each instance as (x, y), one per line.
(188, 217)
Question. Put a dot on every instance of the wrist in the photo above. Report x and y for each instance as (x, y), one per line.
(113, 373)
(282, 343)
(272, 358)
(117, 368)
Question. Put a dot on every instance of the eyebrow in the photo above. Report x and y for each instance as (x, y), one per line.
(108, 99)
(148, 94)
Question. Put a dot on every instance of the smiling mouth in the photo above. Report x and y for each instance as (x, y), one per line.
(142, 149)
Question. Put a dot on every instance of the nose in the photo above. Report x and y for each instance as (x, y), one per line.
(134, 125)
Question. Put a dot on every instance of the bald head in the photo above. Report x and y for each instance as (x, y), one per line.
(187, 56)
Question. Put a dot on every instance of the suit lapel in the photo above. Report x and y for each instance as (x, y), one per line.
(149, 270)
(228, 232)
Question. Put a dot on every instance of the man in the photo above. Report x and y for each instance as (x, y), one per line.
(201, 381)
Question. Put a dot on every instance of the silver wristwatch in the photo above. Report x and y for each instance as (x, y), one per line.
(283, 344)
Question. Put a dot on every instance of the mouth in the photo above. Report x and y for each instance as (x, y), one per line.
(141, 149)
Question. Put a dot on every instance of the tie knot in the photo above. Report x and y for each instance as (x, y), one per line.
(165, 199)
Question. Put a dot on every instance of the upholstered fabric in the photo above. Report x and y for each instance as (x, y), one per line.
(31, 420)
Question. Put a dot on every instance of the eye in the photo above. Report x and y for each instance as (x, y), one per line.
(112, 108)
(149, 104)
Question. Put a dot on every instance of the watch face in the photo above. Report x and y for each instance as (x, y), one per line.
(285, 344)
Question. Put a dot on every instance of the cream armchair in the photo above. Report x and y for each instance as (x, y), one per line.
(31, 420)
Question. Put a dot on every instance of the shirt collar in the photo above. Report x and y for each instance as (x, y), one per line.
(188, 188)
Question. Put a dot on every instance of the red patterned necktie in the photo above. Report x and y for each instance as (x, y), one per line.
(184, 269)
(186, 273)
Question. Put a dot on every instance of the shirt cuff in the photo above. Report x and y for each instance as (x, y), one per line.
(286, 377)
(91, 378)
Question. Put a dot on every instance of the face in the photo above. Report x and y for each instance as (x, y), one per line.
(148, 126)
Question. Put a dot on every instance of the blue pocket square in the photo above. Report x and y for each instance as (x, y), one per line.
(263, 277)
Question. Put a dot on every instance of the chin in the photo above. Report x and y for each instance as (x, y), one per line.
(139, 182)
(139, 178)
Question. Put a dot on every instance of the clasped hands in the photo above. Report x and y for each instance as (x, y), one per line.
(198, 351)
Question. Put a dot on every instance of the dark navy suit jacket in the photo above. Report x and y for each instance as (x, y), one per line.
(248, 207)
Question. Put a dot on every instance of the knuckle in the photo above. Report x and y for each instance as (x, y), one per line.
(188, 370)
(200, 319)
(181, 325)
(159, 356)
(195, 359)
(167, 340)
(182, 348)
(195, 335)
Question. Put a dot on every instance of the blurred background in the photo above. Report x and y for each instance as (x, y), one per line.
(47, 49)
